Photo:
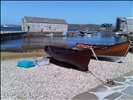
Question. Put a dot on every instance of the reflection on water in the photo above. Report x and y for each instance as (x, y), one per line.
(41, 41)
(95, 39)
(11, 44)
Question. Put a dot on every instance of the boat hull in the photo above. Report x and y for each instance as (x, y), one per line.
(78, 58)
(110, 58)
(113, 53)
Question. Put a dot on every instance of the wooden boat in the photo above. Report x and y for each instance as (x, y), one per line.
(79, 58)
(113, 53)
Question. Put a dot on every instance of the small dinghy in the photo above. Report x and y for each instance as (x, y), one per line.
(80, 58)
(113, 53)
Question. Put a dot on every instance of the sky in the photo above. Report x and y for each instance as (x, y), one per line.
(74, 12)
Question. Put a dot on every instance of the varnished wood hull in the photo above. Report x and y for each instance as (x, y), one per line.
(79, 58)
(114, 53)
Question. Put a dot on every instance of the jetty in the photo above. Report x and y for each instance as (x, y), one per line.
(9, 35)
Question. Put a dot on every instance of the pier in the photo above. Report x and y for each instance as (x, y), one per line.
(9, 35)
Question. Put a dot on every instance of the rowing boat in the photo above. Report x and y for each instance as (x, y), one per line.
(113, 53)
(79, 58)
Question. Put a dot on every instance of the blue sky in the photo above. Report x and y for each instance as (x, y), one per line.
(74, 12)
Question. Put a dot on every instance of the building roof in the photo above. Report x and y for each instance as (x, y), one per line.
(44, 20)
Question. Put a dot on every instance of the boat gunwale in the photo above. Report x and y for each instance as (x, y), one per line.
(103, 44)
(67, 51)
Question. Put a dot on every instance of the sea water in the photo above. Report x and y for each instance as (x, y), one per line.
(99, 38)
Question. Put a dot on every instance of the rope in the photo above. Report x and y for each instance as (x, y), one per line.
(115, 73)
(97, 60)
(95, 56)
(124, 55)
(49, 48)
(95, 76)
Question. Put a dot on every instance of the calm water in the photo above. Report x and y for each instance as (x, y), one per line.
(11, 29)
(19, 29)
(99, 38)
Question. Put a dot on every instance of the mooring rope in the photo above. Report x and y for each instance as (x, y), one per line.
(108, 81)
(124, 56)
(49, 48)
(95, 76)
(115, 73)
(100, 64)
(95, 56)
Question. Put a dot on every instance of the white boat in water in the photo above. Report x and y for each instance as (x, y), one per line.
(51, 34)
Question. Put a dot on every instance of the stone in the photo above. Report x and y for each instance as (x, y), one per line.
(99, 88)
(113, 96)
(131, 80)
(128, 90)
(116, 84)
(85, 95)
(120, 79)
(126, 97)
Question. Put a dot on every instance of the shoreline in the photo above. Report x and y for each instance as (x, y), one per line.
(52, 81)
(13, 55)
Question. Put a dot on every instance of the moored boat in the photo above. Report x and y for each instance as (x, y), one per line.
(64, 35)
(51, 34)
(79, 58)
(113, 53)
(84, 33)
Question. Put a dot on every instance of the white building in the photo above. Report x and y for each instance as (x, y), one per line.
(124, 24)
(36, 24)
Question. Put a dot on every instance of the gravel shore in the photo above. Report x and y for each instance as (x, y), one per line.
(55, 82)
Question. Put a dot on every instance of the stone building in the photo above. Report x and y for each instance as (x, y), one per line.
(36, 24)
(124, 24)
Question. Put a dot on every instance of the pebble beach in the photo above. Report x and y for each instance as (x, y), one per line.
(53, 81)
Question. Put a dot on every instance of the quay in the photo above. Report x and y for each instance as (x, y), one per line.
(9, 35)
(121, 90)
(7, 32)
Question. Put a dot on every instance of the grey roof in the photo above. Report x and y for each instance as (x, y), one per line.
(44, 20)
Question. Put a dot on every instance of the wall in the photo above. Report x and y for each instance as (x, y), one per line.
(44, 27)
(130, 25)
(124, 24)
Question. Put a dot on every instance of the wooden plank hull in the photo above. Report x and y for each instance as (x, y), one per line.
(79, 58)
(114, 53)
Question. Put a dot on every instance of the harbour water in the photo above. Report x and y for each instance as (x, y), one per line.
(102, 38)
(11, 29)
